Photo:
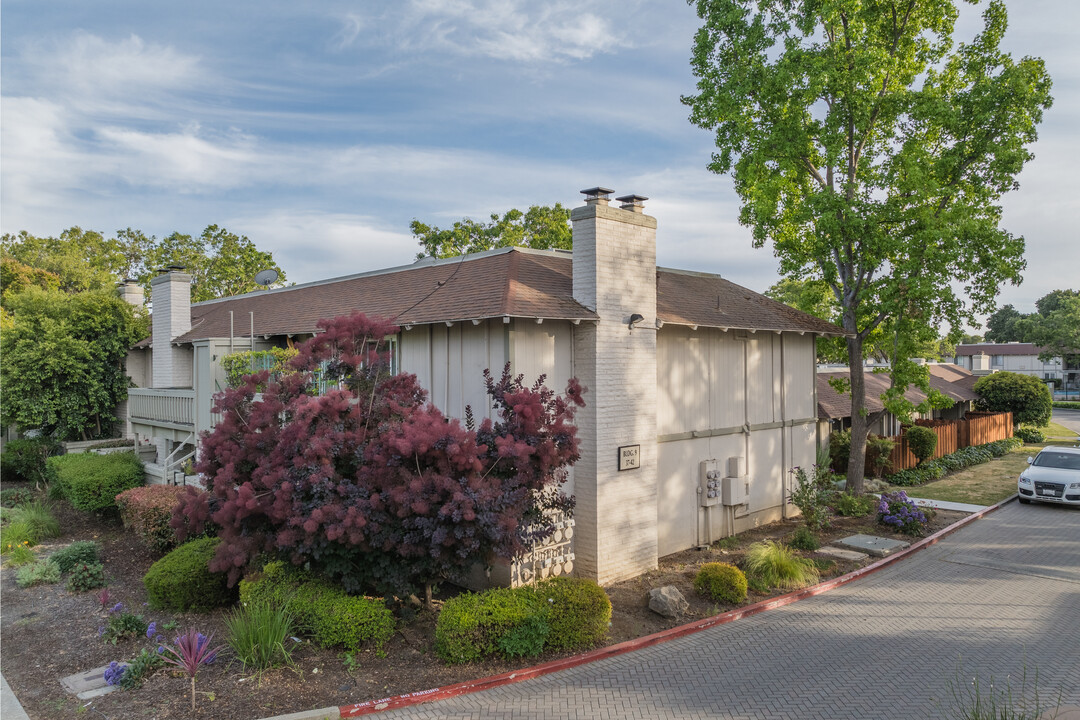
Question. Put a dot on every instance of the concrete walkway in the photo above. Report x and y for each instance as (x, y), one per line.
(998, 597)
(10, 709)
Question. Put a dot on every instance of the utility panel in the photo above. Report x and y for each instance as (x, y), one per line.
(734, 490)
(709, 490)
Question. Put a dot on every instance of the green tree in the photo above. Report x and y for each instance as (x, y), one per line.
(63, 369)
(543, 227)
(16, 277)
(872, 154)
(1056, 327)
(1006, 325)
(221, 263)
(1025, 396)
(81, 259)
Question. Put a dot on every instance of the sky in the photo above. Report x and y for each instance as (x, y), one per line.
(322, 129)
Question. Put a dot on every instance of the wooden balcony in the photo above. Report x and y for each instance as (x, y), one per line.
(162, 412)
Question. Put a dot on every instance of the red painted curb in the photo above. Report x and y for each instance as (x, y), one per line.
(371, 707)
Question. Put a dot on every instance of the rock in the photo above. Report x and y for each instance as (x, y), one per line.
(667, 601)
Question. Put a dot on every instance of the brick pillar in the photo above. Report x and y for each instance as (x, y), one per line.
(615, 275)
(170, 293)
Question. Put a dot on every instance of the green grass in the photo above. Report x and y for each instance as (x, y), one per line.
(777, 565)
(260, 635)
(984, 484)
(27, 524)
(1054, 430)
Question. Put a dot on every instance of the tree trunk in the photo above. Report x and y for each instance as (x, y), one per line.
(859, 424)
(428, 603)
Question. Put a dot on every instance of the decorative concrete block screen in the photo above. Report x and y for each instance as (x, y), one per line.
(551, 558)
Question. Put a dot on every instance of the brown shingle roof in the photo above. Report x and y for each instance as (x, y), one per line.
(690, 298)
(952, 381)
(512, 282)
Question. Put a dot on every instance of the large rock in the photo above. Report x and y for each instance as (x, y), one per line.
(667, 601)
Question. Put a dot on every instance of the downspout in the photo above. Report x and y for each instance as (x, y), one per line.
(785, 459)
(230, 332)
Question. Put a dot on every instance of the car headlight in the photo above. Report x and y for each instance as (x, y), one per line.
(1024, 480)
(1074, 486)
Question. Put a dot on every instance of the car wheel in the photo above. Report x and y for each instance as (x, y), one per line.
(1024, 501)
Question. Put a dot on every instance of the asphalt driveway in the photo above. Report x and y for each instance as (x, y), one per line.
(1068, 418)
(994, 599)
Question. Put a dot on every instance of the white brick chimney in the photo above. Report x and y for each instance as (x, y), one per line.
(615, 358)
(130, 292)
(170, 293)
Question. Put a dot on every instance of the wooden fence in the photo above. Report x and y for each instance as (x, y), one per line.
(977, 428)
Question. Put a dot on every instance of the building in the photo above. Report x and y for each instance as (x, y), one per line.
(1015, 357)
(834, 408)
(691, 379)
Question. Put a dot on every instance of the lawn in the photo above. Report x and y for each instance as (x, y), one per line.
(983, 484)
(1054, 430)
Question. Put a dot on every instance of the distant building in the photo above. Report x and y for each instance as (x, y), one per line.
(1015, 357)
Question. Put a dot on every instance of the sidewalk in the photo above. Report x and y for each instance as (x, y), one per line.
(10, 708)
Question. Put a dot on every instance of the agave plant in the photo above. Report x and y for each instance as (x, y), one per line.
(192, 651)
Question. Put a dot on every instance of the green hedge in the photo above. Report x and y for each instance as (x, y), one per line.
(558, 614)
(182, 579)
(1067, 405)
(965, 457)
(24, 460)
(91, 482)
(321, 609)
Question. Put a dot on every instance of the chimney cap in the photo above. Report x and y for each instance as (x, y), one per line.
(177, 268)
(597, 192)
(632, 199)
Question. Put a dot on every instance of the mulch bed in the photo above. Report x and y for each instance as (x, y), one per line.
(48, 633)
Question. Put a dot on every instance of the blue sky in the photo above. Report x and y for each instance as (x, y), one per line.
(320, 130)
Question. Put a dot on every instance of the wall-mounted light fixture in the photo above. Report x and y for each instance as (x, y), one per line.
(635, 319)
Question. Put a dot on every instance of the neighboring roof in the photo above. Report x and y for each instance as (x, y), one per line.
(952, 381)
(508, 282)
(998, 349)
(691, 298)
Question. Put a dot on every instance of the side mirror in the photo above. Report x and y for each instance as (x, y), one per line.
(1030, 460)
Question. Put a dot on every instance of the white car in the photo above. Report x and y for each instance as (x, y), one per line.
(1052, 476)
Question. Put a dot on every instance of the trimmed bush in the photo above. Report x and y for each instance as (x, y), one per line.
(579, 612)
(182, 579)
(922, 441)
(13, 497)
(1029, 434)
(1025, 396)
(321, 609)
(965, 457)
(849, 505)
(557, 614)
(86, 576)
(24, 460)
(1067, 405)
(91, 482)
(147, 511)
(721, 582)
(84, 552)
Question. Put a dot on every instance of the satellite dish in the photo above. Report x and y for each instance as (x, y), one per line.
(266, 277)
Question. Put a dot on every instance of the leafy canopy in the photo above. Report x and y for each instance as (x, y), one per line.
(872, 154)
(543, 227)
(63, 369)
(371, 485)
(1025, 396)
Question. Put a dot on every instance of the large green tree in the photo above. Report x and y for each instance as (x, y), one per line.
(544, 227)
(1004, 325)
(63, 369)
(1056, 326)
(872, 154)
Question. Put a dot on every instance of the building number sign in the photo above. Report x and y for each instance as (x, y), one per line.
(629, 457)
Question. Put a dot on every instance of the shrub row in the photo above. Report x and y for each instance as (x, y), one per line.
(557, 614)
(320, 608)
(91, 482)
(938, 468)
(147, 511)
(24, 460)
(1067, 405)
(182, 579)
(1029, 434)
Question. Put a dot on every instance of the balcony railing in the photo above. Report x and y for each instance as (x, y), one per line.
(166, 407)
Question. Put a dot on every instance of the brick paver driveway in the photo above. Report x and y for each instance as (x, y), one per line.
(997, 596)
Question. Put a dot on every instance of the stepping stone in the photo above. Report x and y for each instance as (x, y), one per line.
(873, 545)
(842, 554)
(88, 684)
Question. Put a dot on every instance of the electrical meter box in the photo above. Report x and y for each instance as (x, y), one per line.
(734, 490)
(709, 490)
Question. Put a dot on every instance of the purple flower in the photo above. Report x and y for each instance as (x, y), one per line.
(114, 673)
(117, 607)
(151, 630)
(100, 630)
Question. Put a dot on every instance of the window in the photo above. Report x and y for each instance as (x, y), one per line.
(998, 361)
